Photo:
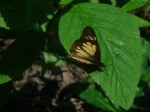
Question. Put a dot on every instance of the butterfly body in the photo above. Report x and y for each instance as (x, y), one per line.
(86, 49)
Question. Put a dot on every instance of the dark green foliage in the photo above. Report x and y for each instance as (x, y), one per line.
(35, 26)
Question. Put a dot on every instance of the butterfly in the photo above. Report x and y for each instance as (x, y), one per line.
(86, 49)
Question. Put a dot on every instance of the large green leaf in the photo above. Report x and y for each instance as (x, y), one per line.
(99, 101)
(20, 55)
(120, 46)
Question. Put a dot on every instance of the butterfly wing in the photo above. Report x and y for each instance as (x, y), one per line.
(86, 49)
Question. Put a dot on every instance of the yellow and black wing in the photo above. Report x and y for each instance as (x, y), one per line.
(86, 49)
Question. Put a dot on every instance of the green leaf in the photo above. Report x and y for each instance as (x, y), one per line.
(146, 48)
(3, 23)
(20, 55)
(139, 92)
(113, 2)
(94, 1)
(96, 98)
(146, 56)
(38, 12)
(120, 45)
(134, 4)
(65, 1)
(49, 57)
(140, 22)
(52, 60)
(146, 75)
(60, 63)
